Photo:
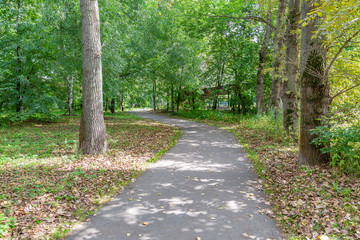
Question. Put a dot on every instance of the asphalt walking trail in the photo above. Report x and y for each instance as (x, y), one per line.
(203, 188)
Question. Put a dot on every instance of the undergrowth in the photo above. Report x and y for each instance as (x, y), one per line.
(308, 202)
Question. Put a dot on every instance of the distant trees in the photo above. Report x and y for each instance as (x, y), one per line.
(263, 54)
(290, 85)
(164, 53)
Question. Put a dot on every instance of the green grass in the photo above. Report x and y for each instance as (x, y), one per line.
(46, 185)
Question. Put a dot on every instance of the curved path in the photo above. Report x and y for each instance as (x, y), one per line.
(203, 188)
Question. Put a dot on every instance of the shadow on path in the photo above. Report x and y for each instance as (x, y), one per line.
(203, 187)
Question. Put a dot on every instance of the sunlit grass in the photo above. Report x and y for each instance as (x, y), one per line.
(45, 184)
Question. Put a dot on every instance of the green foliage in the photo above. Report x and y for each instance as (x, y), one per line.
(212, 115)
(343, 144)
(6, 223)
(265, 124)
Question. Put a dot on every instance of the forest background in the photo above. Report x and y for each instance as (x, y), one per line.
(295, 62)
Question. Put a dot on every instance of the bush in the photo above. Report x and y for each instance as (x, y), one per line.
(343, 144)
(12, 117)
(212, 115)
(265, 124)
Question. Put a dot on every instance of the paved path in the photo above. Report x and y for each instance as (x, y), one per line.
(203, 188)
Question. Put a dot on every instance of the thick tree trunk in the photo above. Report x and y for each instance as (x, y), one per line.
(70, 87)
(112, 106)
(92, 138)
(260, 101)
(278, 58)
(290, 101)
(314, 88)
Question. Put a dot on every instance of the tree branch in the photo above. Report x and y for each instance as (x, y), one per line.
(256, 18)
(344, 91)
(339, 51)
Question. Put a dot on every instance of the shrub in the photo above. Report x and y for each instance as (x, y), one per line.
(343, 144)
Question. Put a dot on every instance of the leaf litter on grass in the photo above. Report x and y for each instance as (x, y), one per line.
(42, 192)
(310, 202)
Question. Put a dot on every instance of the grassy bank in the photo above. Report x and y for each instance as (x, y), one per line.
(46, 186)
(308, 202)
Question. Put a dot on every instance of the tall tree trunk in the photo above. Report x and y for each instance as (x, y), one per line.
(112, 106)
(314, 88)
(18, 49)
(290, 101)
(278, 58)
(70, 87)
(260, 101)
(92, 138)
(172, 99)
(154, 95)
(121, 103)
(106, 104)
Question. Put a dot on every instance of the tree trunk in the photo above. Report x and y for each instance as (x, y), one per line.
(106, 104)
(193, 102)
(121, 104)
(70, 87)
(214, 106)
(278, 58)
(172, 99)
(18, 49)
(154, 95)
(314, 88)
(92, 138)
(290, 101)
(260, 102)
(178, 99)
(112, 106)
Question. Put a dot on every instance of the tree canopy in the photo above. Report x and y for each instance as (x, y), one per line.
(184, 55)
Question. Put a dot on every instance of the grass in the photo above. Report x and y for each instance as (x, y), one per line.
(46, 186)
(308, 202)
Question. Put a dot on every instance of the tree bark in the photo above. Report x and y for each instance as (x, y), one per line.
(260, 101)
(70, 87)
(106, 104)
(314, 88)
(290, 101)
(19, 104)
(278, 58)
(92, 139)
(112, 106)
(121, 104)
